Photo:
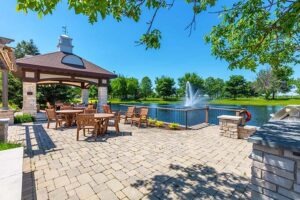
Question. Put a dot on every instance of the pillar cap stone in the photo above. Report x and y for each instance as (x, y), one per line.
(4, 120)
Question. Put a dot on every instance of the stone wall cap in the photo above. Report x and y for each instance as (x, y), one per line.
(231, 117)
(278, 134)
(4, 120)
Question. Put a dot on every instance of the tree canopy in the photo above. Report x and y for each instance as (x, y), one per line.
(214, 87)
(196, 81)
(165, 86)
(250, 33)
(235, 86)
(146, 87)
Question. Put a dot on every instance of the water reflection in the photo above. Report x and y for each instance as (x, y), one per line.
(260, 114)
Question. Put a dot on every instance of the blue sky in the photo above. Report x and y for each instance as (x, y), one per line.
(111, 44)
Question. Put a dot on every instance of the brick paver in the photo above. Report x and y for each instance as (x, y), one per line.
(145, 163)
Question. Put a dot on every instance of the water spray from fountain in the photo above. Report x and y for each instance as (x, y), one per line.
(191, 98)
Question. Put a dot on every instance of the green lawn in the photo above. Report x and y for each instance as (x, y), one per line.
(258, 101)
(5, 146)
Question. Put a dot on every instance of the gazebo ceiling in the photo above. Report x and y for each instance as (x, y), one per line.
(62, 67)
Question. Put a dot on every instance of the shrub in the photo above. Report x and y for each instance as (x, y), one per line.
(174, 126)
(159, 123)
(24, 118)
(152, 121)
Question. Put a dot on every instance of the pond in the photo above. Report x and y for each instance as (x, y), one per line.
(260, 114)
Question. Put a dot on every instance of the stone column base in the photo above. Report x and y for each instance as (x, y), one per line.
(7, 114)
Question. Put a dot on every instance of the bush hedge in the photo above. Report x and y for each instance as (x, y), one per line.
(24, 118)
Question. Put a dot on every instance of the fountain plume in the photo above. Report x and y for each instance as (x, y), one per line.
(191, 98)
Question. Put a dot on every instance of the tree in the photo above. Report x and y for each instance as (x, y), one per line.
(24, 48)
(214, 87)
(196, 81)
(119, 87)
(267, 83)
(235, 86)
(251, 32)
(93, 92)
(146, 87)
(132, 87)
(165, 86)
(297, 84)
(284, 75)
(55, 92)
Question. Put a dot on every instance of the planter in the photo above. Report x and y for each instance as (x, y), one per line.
(11, 172)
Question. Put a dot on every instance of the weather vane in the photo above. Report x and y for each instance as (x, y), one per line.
(64, 29)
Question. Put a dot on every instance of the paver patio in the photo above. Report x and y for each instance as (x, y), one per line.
(146, 163)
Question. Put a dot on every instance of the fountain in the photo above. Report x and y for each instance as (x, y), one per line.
(192, 98)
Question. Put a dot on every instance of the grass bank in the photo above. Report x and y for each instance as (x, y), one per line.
(258, 101)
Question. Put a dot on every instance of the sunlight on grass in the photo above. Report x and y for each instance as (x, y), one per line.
(258, 101)
(5, 146)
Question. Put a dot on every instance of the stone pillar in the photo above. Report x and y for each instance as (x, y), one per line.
(3, 129)
(229, 125)
(275, 173)
(29, 98)
(4, 90)
(102, 97)
(85, 96)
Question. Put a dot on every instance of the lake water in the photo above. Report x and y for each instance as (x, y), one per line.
(260, 114)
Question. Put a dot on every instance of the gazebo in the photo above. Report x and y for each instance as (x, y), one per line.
(61, 67)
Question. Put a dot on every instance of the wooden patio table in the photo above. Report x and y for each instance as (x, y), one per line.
(69, 115)
(103, 119)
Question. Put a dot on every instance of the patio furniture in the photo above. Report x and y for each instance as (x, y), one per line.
(90, 106)
(103, 119)
(141, 118)
(114, 122)
(90, 111)
(69, 115)
(86, 121)
(66, 107)
(129, 114)
(52, 116)
(49, 106)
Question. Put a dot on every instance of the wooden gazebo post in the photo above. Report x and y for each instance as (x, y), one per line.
(7, 63)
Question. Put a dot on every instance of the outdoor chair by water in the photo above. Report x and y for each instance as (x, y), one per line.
(129, 114)
(141, 118)
(86, 121)
(52, 116)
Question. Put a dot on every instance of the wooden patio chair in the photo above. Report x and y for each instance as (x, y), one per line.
(90, 106)
(52, 116)
(129, 114)
(49, 106)
(142, 117)
(86, 121)
(114, 122)
(90, 111)
(65, 107)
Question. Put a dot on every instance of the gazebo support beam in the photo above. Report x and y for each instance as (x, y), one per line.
(4, 90)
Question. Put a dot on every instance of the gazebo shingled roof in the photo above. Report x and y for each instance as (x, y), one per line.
(52, 62)
(62, 67)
